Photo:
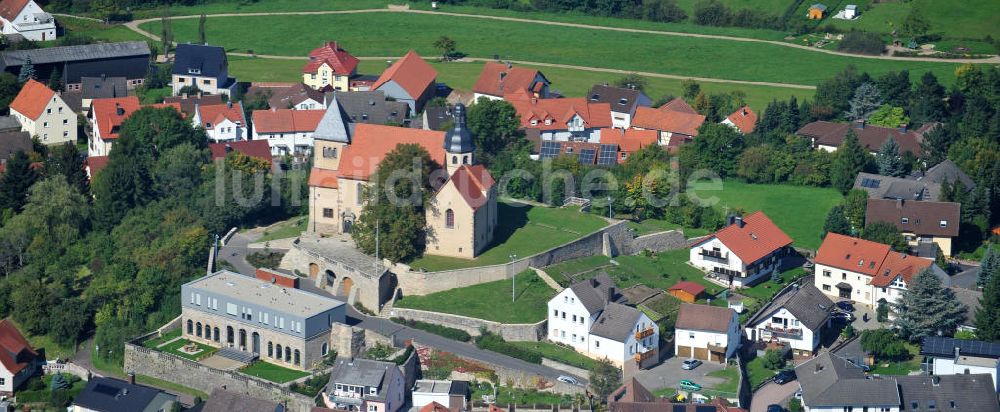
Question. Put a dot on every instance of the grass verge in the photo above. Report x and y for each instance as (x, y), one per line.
(490, 301)
(272, 372)
(558, 353)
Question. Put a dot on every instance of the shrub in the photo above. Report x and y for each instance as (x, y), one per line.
(311, 386)
(450, 333)
(884, 344)
(495, 343)
(774, 359)
(379, 352)
(863, 42)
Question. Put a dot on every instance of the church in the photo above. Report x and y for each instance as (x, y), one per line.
(462, 213)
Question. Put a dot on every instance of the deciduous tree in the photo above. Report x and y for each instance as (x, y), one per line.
(605, 378)
(885, 233)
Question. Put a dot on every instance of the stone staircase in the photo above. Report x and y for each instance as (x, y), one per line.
(239, 356)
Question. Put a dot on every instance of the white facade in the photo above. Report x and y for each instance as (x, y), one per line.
(10, 381)
(621, 120)
(309, 104)
(856, 408)
(300, 142)
(570, 323)
(785, 327)
(967, 365)
(32, 23)
(694, 343)
(861, 291)
(476, 96)
(227, 131)
(711, 255)
(55, 125)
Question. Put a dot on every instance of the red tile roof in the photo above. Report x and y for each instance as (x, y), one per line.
(32, 99)
(286, 120)
(497, 79)
(96, 164)
(175, 105)
(339, 60)
(558, 112)
(900, 265)
(15, 351)
(9, 9)
(744, 119)
(869, 258)
(629, 140)
(667, 120)
(434, 407)
(411, 72)
(678, 105)
(871, 137)
(473, 183)
(756, 238)
(323, 178)
(690, 287)
(372, 142)
(111, 112)
(258, 149)
(703, 317)
(214, 114)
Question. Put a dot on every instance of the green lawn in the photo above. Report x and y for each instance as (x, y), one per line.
(757, 373)
(174, 347)
(662, 271)
(562, 272)
(215, 7)
(490, 301)
(272, 372)
(153, 343)
(648, 226)
(798, 210)
(732, 376)
(687, 56)
(911, 364)
(160, 383)
(289, 228)
(955, 19)
(765, 290)
(53, 350)
(522, 230)
(558, 353)
(511, 395)
(99, 31)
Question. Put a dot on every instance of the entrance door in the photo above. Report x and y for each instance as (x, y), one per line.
(313, 270)
(346, 286)
(255, 342)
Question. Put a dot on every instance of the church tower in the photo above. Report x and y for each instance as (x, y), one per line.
(458, 142)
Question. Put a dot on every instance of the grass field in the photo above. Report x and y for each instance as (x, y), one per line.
(174, 348)
(558, 353)
(732, 376)
(522, 230)
(653, 225)
(757, 373)
(272, 372)
(912, 363)
(490, 301)
(561, 272)
(521, 41)
(283, 230)
(955, 19)
(153, 343)
(99, 31)
(798, 210)
(52, 349)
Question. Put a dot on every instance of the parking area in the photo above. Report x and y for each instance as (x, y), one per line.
(773, 394)
(668, 374)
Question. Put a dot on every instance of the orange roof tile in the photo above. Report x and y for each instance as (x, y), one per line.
(217, 113)
(372, 142)
(339, 60)
(667, 120)
(323, 178)
(497, 79)
(9, 9)
(473, 183)
(32, 99)
(554, 114)
(900, 265)
(744, 119)
(629, 140)
(15, 351)
(678, 105)
(258, 149)
(96, 164)
(434, 407)
(111, 112)
(756, 238)
(690, 287)
(174, 105)
(869, 258)
(286, 120)
(411, 72)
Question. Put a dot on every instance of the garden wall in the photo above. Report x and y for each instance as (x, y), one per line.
(520, 378)
(659, 242)
(510, 332)
(573, 370)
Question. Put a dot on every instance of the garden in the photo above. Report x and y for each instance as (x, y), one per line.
(272, 372)
(50, 391)
(491, 300)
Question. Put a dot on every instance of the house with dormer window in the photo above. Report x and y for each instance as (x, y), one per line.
(920, 222)
(222, 122)
(561, 120)
(798, 317)
(203, 66)
(364, 385)
(26, 19)
(743, 253)
(624, 102)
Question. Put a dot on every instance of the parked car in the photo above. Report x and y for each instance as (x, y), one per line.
(843, 317)
(690, 364)
(775, 408)
(864, 367)
(845, 306)
(784, 377)
(568, 379)
(687, 384)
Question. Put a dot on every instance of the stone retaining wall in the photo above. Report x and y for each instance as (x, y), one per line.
(520, 378)
(659, 242)
(573, 370)
(530, 332)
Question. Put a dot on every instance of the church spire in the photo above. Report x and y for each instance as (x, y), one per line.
(458, 139)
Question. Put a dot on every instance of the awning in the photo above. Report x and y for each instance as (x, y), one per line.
(844, 285)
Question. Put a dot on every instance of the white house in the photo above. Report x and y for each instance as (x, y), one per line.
(43, 113)
(797, 317)
(106, 117)
(222, 122)
(498, 79)
(624, 101)
(18, 360)
(451, 394)
(743, 253)
(287, 131)
(866, 272)
(27, 19)
(708, 333)
(586, 317)
(948, 356)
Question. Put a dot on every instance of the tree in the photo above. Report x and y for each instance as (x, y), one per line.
(27, 71)
(914, 26)
(58, 382)
(855, 207)
(926, 308)
(663, 11)
(774, 359)
(850, 159)
(17, 178)
(605, 378)
(989, 266)
(888, 160)
(833, 95)
(836, 222)
(883, 343)
(446, 45)
(895, 88)
(395, 205)
(55, 80)
(201, 30)
(927, 102)
(866, 99)
(9, 87)
(64, 160)
(988, 315)
(631, 81)
(937, 142)
(690, 88)
(166, 34)
(861, 42)
(885, 233)
(494, 125)
(888, 116)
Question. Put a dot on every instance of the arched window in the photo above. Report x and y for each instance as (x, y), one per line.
(190, 327)
(216, 332)
(270, 349)
(449, 219)
(288, 354)
(197, 329)
(277, 351)
(297, 358)
(325, 349)
(465, 159)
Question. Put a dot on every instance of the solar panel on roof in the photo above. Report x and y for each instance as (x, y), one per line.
(608, 155)
(550, 150)
(106, 390)
(870, 183)
(705, 408)
(587, 156)
(679, 408)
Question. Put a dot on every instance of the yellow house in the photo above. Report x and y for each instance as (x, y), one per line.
(816, 11)
(43, 113)
(329, 65)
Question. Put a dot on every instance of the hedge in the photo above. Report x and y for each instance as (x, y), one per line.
(496, 344)
(450, 333)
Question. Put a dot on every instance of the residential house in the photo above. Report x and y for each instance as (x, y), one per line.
(743, 119)
(222, 400)
(329, 66)
(851, 11)
(365, 385)
(888, 187)
(676, 122)
(266, 316)
(124, 59)
(686, 291)
(297, 96)
(257, 149)
(587, 317)
(970, 299)
(222, 122)
(743, 253)
(622, 142)
(94, 164)
(828, 136)
(561, 120)
(287, 131)
(436, 118)
(708, 333)
(919, 222)
(946, 171)
(816, 11)
(498, 79)
(624, 101)
(949, 356)
(27, 20)
(370, 107)
(13, 142)
(18, 359)
(633, 397)
(101, 88)
(958, 393)
(9, 124)
(203, 66)
(106, 117)
(113, 395)
(187, 103)
(454, 396)
(410, 80)
(866, 272)
(43, 113)
(798, 316)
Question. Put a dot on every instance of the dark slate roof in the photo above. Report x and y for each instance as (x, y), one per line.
(362, 372)
(810, 306)
(967, 278)
(112, 395)
(459, 388)
(188, 103)
(210, 61)
(922, 218)
(886, 187)
(459, 139)
(226, 401)
(76, 53)
(335, 125)
(831, 381)
(9, 123)
(943, 347)
(593, 293)
(615, 322)
(102, 87)
(369, 107)
(947, 171)
(970, 299)
(435, 117)
(622, 100)
(953, 393)
(12, 142)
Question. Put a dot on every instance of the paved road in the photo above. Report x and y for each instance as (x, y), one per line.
(235, 253)
(669, 374)
(773, 394)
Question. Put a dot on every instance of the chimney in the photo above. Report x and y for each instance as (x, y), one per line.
(534, 100)
(131, 378)
(503, 75)
(899, 204)
(730, 220)
(739, 221)
(229, 104)
(936, 380)
(593, 282)
(610, 296)
(229, 147)
(859, 124)
(819, 367)
(745, 112)
(903, 127)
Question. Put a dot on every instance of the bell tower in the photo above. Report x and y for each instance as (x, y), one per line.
(458, 142)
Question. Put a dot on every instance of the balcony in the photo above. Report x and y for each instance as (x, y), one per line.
(645, 333)
(640, 357)
(787, 333)
(714, 254)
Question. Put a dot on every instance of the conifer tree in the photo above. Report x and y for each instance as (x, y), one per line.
(888, 160)
(927, 308)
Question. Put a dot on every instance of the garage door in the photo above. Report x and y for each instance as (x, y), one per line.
(701, 353)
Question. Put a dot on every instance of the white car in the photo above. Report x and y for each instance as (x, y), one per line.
(568, 379)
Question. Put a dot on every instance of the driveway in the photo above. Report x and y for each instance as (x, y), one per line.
(668, 374)
(773, 394)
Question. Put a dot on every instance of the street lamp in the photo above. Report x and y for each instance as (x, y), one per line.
(513, 278)
(609, 207)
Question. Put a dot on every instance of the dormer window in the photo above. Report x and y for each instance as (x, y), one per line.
(194, 71)
(534, 122)
(904, 220)
(623, 101)
(548, 122)
(943, 223)
(373, 390)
